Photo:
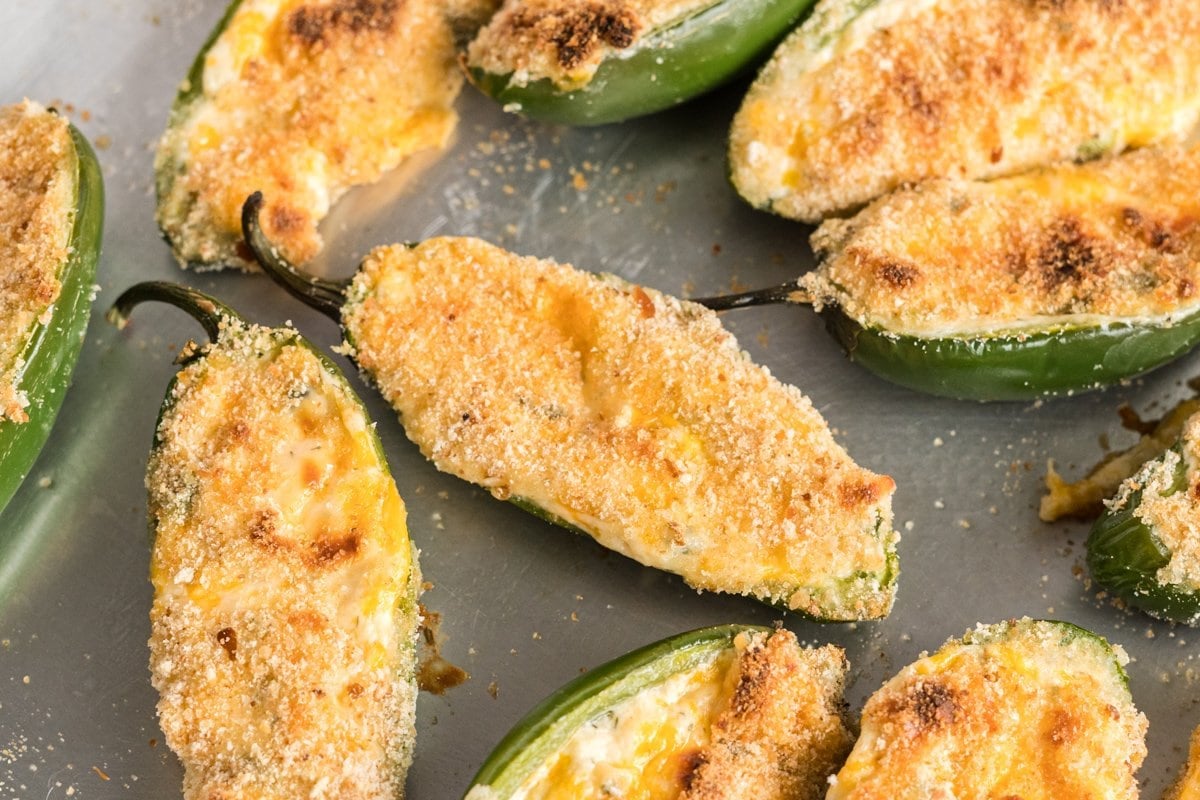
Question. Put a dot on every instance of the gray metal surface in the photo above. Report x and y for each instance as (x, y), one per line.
(524, 606)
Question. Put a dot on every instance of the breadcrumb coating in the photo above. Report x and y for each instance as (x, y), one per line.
(628, 414)
(867, 96)
(284, 613)
(37, 195)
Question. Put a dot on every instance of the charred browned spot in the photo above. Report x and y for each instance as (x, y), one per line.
(754, 671)
(897, 275)
(1068, 255)
(354, 690)
(227, 638)
(320, 24)
(285, 219)
(1064, 727)
(996, 154)
(310, 472)
(690, 762)
(644, 303)
(932, 705)
(330, 549)
(576, 32)
(917, 98)
(859, 493)
(264, 527)
(1196, 491)
(1131, 217)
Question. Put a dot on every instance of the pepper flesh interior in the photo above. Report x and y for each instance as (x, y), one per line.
(868, 95)
(301, 100)
(1025, 708)
(37, 171)
(284, 617)
(627, 414)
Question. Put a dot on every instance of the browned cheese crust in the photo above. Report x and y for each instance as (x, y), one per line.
(284, 618)
(782, 734)
(915, 89)
(566, 40)
(37, 190)
(1119, 237)
(302, 100)
(1036, 716)
(625, 412)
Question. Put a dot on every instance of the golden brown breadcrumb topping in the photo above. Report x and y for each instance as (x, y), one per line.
(629, 414)
(37, 195)
(566, 40)
(301, 100)
(782, 734)
(284, 612)
(1188, 785)
(1118, 237)
(1028, 709)
(854, 105)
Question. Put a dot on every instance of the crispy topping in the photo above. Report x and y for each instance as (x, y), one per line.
(860, 102)
(302, 99)
(37, 193)
(1115, 238)
(284, 583)
(650, 431)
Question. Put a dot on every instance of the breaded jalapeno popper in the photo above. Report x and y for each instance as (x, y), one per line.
(303, 99)
(726, 713)
(617, 411)
(1027, 708)
(1055, 281)
(870, 94)
(285, 613)
(51, 220)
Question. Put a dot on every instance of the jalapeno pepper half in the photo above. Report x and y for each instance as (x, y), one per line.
(667, 722)
(697, 48)
(285, 608)
(47, 351)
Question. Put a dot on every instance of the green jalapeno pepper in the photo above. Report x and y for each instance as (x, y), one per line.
(664, 716)
(1060, 280)
(47, 350)
(696, 49)
(285, 607)
(559, 402)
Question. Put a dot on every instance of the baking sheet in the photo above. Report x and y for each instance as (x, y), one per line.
(523, 606)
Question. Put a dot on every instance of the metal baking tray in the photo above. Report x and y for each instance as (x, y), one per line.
(523, 606)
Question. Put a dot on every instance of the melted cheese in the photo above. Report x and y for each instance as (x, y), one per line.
(302, 100)
(627, 413)
(1068, 246)
(866, 97)
(1023, 709)
(284, 610)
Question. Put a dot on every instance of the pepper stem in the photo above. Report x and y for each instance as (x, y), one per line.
(324, 295)
(787, 293)
(209, 312)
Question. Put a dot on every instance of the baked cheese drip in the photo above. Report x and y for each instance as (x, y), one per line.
(762, 720)
(1026, 709)
(1188, 785)
(284, 612)
(301, 100)
(37, 176)
(565, 41)
(1070, 245)
(868, 95)
(1170, 511)
(627, 414)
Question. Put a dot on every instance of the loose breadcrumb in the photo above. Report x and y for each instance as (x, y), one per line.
(628, 414)
(37, 193)
(302, 100)
(284, 616)
(1069, 244)
(868, 96)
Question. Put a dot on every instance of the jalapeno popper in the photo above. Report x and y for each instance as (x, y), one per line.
(302, 98)
(868, 95)
(1145, 547)
(285, 614)
(619, 412)
(1027, 708)
(51, 220)
(1059, 280)
(587, 62)
(715, 714)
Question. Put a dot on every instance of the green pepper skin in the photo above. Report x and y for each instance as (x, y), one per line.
(1124, 555)
(667, 67)
(1015, 367)
(550, 724)
(53, 347)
